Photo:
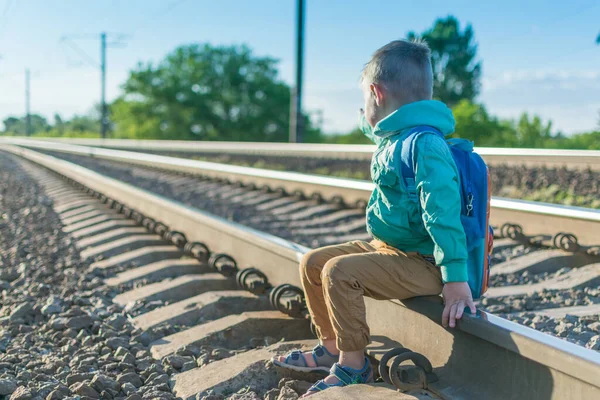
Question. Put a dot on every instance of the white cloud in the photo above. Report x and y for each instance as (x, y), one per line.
(565, 118)
(568, 97)
(562, 78)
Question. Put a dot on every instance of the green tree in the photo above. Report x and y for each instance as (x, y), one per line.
(354, 137)
(533, 133)
(13, 125)
(17, 126)
(474, 123)
(456, 70)
(203, 92)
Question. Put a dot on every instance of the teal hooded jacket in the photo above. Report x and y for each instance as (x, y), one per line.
(433, 227)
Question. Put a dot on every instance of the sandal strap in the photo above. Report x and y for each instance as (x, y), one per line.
(350, 376)
(342, 375)
(321, 385)
(320, 352)
(295, 358)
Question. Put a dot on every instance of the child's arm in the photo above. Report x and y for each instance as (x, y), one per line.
(438, 185)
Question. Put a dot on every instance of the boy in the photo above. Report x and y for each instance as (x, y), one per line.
(417, 250)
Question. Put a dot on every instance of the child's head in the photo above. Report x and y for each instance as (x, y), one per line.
(398, 73)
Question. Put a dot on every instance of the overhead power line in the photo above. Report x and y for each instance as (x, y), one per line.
(4, 16)
(170, 7)
(67, 40)
(116, 40)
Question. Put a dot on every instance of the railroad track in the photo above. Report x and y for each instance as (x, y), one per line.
(575, 159)
(521, 356)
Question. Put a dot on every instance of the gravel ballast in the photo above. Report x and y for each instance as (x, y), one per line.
(58, 327)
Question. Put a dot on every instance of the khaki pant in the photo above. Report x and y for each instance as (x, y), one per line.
(335, 279)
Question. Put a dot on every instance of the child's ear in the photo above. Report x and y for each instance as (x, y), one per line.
(377, 93)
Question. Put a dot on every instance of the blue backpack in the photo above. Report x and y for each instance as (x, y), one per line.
(475, 195)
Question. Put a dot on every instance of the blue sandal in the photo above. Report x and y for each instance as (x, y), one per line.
(347, 376)
(295, 361)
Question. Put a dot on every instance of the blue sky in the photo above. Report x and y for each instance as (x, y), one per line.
(538, 56)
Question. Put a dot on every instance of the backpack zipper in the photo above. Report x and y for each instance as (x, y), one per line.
(470, 196)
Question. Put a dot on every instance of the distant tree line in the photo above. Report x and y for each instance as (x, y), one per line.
(204, 92)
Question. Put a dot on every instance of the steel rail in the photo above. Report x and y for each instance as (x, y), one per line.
(484, 357)
(576, 159)
(541, 220)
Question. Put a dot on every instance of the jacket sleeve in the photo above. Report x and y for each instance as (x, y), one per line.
(439, 192)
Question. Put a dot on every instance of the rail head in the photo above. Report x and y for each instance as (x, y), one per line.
(512, 352)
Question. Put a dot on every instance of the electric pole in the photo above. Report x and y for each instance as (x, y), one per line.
(27, 104)
(117, 41)
(296, 116)
(103, 111)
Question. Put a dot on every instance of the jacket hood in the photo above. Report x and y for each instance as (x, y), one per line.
(427, 112)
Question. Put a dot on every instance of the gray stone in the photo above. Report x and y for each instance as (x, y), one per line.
(75, 378)
(176, 361)
(144, 338)
(45, 390)
(287, 393)
(128, 388)
(116, 342)
(211, 396)
(70, 333)
(80, 322)
(21, 393)
(157, 395)
(188, 365)
(299, 387)
(134, 396)
(52, 308)
(160, 379)
(595, 326)
(562, 330)
(131, 378)
(144, 363)
(121, 351)
(7, 386)
(56, 395)
(59, 324)
(117, 322)
(245, 394)
(128, 359)
(85, 389)
(594, 343)
(220, 354)
(21, 311)
(272, 394)
(203, 360)
(102, 382)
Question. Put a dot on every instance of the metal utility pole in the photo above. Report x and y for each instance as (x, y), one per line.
(103, 111)
(27, 104)
(117, 42)
(296, 116)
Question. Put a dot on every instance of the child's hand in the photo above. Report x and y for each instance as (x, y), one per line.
(457, 296)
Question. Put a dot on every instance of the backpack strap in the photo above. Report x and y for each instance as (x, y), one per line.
(407, 158)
